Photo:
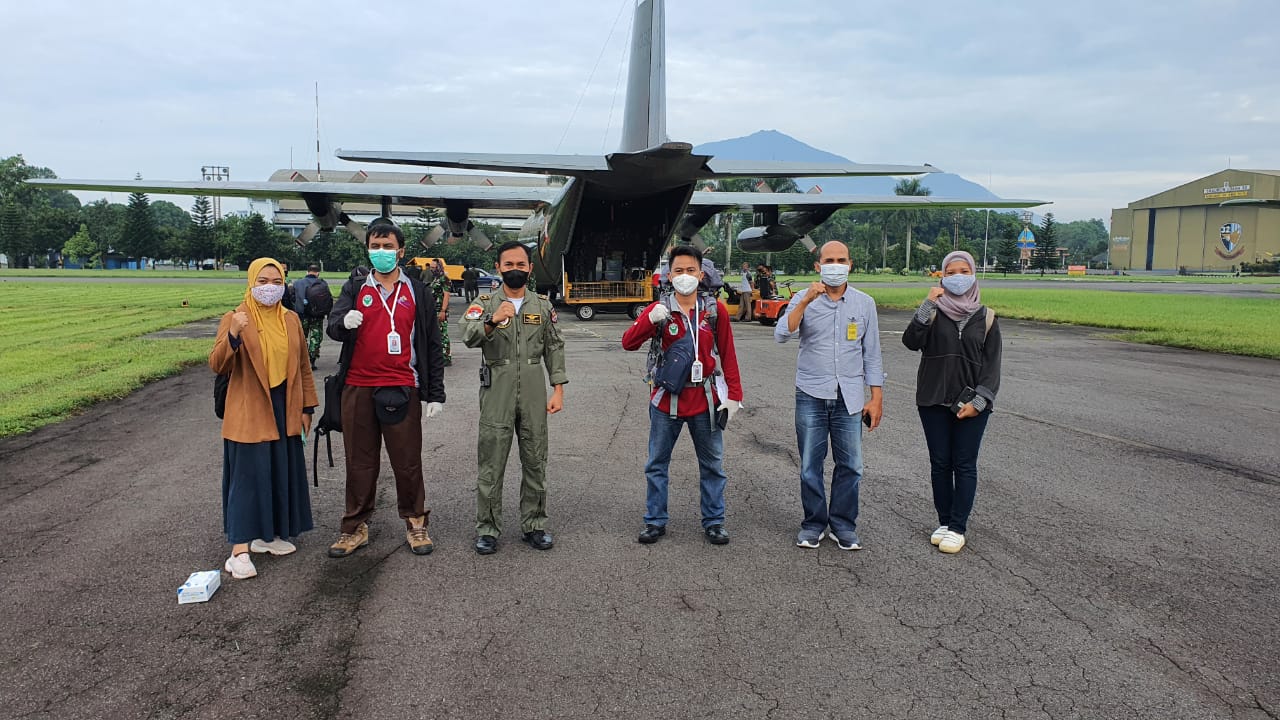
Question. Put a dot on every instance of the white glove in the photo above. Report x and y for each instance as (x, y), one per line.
(434, 409)
(733, 406)
(659, 314)
(352, 319)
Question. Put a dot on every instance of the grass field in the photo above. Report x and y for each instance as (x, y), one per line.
(65, 346)
(1239, 326)
(859, 279)
(150, 274)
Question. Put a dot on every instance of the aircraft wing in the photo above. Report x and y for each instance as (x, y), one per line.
(747, 201)
(582, 164)
(1265, 202)
(777, 168)
(502, 162)
(474, 196)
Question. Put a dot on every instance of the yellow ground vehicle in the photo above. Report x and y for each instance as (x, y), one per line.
(588, 297)
(453, 272)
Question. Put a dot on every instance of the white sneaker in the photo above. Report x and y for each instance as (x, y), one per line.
(279, 546)
(951, 542)
(240, 566)
(937, 535)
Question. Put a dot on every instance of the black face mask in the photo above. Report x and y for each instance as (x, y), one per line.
(515, 279)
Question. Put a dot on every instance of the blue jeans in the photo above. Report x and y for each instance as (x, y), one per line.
(708, 443)
(816, 421)
(953, 462)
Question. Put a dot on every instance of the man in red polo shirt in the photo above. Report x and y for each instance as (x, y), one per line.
(390, 331)
(711, 389)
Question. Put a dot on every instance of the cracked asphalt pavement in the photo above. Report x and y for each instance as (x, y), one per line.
(1120, 560)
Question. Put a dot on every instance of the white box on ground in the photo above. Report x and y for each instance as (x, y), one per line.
(199, 587)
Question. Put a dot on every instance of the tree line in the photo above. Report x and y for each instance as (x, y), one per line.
(41, 227)
(879, 239)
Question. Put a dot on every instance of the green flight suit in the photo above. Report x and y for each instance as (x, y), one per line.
(515, 401)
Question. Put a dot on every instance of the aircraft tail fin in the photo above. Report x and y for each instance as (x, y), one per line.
(644, 124)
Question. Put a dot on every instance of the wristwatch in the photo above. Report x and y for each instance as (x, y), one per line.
(488, 320)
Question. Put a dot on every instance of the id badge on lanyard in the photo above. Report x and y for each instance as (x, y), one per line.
(695, 370)
(393, 337)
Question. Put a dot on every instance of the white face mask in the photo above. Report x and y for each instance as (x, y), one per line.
(834, 275)
(958, 284)
(267, 294)
(685, 284)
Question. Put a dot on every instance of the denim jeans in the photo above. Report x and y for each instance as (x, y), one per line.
(953, 462)
(818, 420)
(708, 443)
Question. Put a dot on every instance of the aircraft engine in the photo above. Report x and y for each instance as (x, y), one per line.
(781, 231)
(457, 224)
(326, 215)
(767, 238)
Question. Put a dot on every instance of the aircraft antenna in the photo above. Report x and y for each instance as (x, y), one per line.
(318, 178)
(591, 75)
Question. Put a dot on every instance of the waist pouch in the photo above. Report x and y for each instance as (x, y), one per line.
(391, 404)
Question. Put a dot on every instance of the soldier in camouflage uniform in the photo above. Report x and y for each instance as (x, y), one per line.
(440, 288)
(516, 331)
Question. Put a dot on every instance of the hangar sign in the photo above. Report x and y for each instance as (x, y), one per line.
(1226, 191)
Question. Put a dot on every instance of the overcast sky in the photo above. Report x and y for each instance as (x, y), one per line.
(1088, 104)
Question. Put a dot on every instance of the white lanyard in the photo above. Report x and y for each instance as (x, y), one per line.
(693, 328)
(395, 301)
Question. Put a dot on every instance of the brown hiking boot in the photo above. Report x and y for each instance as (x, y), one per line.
(419, 541)
(348, 543)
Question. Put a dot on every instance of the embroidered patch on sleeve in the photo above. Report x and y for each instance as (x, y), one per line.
(474, 312)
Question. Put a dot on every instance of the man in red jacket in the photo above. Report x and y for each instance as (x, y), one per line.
(712, 388)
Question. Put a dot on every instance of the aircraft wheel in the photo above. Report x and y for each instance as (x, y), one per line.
(585, 312)
(634, 311)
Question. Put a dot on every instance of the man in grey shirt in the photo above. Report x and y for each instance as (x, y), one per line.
(745, 311)
(839, 354)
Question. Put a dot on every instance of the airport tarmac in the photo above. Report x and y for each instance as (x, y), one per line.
(1121, 560)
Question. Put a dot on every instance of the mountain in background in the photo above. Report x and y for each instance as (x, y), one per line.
(773, 145)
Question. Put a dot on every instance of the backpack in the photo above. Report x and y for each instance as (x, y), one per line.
(655, 358)
(220, 383)
(318, 299)
(712, 280)
(329, 419)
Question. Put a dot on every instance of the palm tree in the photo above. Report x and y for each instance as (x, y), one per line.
(909, 216)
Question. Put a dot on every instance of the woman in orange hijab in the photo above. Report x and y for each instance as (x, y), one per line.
(270, 398)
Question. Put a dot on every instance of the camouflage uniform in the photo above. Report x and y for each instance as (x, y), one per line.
(515, 402)
(440, 286)
(313, 328)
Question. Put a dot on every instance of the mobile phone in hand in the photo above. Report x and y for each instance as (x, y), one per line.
(866, 418)
(722, 418)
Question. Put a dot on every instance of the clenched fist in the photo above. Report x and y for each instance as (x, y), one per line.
(239, 321)
(506, 311)
(659, 314)
(352, 319)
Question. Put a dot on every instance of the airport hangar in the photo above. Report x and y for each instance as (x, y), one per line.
(1187, 226)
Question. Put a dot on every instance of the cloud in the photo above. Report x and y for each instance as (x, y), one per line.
(1083, 103)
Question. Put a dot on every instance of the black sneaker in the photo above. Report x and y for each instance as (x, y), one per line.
(486, 545)
(717, 535)
(650, 534)
(538, 539)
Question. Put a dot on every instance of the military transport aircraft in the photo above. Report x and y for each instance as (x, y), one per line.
(630, 203)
